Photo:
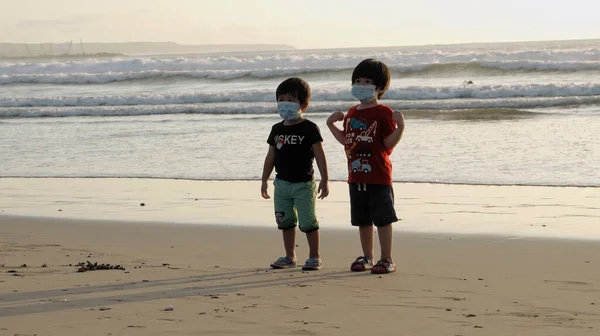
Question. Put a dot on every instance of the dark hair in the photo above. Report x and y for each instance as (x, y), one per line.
(376, 71)
(297, 87)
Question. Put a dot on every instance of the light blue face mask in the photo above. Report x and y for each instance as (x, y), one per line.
(288, 110)
(364, 92)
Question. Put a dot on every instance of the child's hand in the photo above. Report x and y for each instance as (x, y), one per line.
(398, 118)
(263, 190)
(335, 116)
(323, 189)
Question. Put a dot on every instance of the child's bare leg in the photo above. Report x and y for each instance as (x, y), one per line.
(366, 241)
(386, 234)
(313, 244)
(289, 243)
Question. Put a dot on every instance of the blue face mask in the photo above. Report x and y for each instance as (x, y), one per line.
(364, 92)
(288, 110)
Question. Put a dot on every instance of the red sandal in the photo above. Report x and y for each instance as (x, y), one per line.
(361, 264)
(384, 266)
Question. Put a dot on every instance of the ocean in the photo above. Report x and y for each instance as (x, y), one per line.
(530, 117)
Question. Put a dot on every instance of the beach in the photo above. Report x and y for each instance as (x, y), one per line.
(130, 195)
(511, 211)
(203, 248)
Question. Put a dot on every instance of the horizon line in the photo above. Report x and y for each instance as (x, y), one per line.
(318, 48)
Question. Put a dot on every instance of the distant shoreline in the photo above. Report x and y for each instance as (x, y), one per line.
(60, 56)
(85, 50)
(15, 51)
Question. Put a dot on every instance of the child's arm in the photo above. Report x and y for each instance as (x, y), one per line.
(267, 170)
(338, 134)
(323, 190)
(393, 139)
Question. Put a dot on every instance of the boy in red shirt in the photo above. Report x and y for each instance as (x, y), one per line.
(370, 132)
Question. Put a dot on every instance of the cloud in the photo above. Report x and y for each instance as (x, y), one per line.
(61, 24)
(76, 21)
(43, 24)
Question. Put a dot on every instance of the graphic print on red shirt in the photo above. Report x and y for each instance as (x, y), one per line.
(368, 158)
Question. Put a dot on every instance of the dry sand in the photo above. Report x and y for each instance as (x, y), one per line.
(216, 279)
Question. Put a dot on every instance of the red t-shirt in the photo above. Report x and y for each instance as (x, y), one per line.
(368, 158)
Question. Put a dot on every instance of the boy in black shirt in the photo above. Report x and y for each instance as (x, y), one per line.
(293, 144)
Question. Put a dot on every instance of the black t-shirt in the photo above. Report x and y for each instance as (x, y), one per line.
(293, 150)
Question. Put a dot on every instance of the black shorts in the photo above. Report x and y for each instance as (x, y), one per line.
(372, 204)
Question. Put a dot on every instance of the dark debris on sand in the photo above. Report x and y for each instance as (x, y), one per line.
(88, 266)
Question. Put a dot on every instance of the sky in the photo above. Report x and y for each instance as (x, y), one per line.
(304, 24)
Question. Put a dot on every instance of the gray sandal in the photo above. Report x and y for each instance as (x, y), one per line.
(284, 262)
(312, 264)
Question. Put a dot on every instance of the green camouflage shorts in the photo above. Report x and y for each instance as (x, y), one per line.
(295, 204)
